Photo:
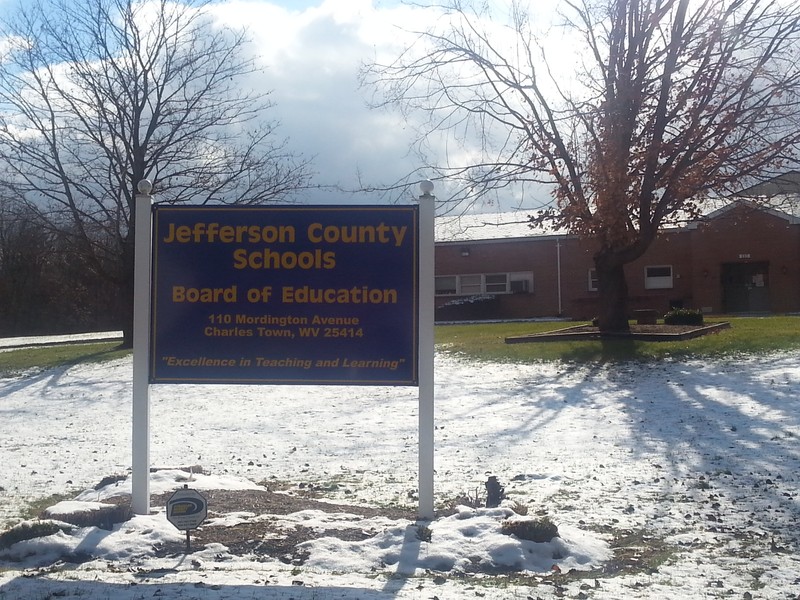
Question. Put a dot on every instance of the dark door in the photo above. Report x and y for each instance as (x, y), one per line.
(745, 287)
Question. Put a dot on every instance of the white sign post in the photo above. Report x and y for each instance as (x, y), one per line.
(140, 478)
(426, 345)
(140, 467)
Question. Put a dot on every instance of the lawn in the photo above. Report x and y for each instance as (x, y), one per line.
(14, 362)
(486, 341)
(747, 335)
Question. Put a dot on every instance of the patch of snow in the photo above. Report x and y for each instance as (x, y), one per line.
(699, 459)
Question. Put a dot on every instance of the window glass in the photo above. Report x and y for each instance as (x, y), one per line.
(445, 285)
(592, 280)
(471, 284)
(520, 285)
(658, 277)
(497, 282)
(492, 283)
(520, 282)
(659, 271)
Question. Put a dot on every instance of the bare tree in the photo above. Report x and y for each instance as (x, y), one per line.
(96, 95)
(663, 103)
(45, 287)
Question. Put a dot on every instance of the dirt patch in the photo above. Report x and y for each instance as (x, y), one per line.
(262, 535)
(281, 503)
(266, 537)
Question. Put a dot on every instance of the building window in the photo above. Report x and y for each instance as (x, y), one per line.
(520, 283)
(490, 283)
(658, 277)
(497, 283)
(471, 284)
(592, 285)
(446, 286)
(520, 286)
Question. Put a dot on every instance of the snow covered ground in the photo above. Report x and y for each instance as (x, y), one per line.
(666, 480)
(12, 343)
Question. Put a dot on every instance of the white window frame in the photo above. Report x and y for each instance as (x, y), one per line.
(473, 284)
(454, 286)
(658, 282)
(496, 283)
(591, 282)
(523, 277)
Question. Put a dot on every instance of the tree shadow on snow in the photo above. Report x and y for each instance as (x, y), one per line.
(727, 428)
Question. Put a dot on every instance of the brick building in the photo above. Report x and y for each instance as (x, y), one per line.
(742, 258)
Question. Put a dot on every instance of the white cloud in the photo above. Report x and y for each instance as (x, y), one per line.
(312, 52)
(312, 59)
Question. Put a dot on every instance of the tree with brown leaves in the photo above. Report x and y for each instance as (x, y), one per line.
(650, 107)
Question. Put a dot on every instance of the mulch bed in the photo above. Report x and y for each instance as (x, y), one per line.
(649, 333)
(266, 537)
(262, 537)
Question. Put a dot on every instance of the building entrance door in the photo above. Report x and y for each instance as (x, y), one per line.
(745, 287)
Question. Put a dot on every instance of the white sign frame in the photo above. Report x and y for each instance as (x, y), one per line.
(140, 475)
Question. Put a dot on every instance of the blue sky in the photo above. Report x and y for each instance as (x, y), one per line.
(303, 4)
(311, 52)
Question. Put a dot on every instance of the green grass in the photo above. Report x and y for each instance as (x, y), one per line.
(34, 508)
(14, 362)
(747, 335)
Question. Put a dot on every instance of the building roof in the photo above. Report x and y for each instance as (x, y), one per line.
(771, 207)
(488, 226)
(516, 224)
(787, 184)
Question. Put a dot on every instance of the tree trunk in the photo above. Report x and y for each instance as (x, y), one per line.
(127, 290)
(613, 294)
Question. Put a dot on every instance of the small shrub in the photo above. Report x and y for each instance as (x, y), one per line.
(519, 508)
(495, 493)
(683, 316)
(534, 530)
(471, 500)
(424, 533)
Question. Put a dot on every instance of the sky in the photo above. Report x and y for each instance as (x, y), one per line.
(696, 460)
(312, 53)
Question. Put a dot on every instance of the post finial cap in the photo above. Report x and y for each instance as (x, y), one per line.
(144, 186)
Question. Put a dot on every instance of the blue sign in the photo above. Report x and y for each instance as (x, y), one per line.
(301, 294)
